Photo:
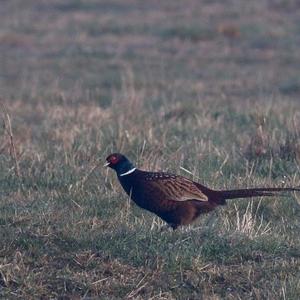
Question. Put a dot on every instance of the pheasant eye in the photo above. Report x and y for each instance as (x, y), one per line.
(113, 159)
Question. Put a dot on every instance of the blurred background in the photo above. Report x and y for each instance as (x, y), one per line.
(82, 65)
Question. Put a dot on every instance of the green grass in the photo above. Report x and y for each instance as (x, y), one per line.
(164, 84)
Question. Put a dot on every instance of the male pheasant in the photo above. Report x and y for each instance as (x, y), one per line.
(175, 199)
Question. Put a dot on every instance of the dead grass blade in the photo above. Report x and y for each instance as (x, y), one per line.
(8, 130)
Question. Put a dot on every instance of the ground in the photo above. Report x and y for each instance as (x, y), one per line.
(206, 89)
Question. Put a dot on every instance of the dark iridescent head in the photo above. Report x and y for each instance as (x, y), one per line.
(119, 163)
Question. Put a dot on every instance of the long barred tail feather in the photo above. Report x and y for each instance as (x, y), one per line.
(254, 192)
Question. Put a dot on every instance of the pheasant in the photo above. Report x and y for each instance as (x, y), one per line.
(174, 198)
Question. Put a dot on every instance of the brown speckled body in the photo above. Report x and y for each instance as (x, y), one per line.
(169, 196)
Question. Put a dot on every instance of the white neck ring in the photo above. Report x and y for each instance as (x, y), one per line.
(128, 172)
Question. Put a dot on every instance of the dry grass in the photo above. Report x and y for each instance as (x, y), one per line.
(206, 87)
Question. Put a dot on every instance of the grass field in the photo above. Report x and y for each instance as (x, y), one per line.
(210, 86)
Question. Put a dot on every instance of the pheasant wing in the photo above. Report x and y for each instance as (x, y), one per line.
(174, 187)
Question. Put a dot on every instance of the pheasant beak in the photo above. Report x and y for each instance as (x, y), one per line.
(106, 165)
